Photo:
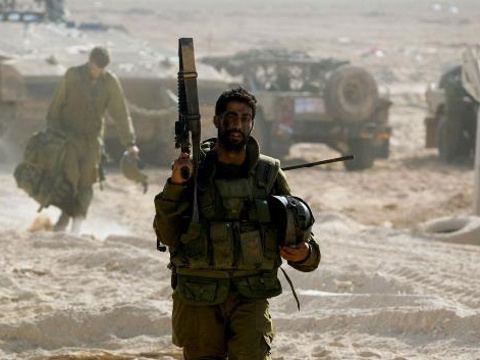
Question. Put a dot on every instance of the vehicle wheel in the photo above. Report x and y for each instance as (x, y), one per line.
(364, 155)
(3, 153)
(270, 145)
(448, 139)
(351, 94)
(261, 133)
(461, 230)
(279, 150)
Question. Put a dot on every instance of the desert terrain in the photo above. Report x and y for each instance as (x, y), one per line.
(384, 289)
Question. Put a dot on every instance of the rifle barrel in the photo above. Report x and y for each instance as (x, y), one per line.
(299, 166)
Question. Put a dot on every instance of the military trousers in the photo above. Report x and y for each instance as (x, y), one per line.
(81, 163)
(239, 328)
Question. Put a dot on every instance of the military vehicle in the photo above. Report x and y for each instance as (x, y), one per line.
(35, 53)
(451, 119)
(302, 99)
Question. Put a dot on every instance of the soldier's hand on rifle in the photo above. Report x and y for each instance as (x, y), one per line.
(296, 254)
(182, 165)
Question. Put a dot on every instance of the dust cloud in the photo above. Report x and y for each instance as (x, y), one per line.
(383, 290)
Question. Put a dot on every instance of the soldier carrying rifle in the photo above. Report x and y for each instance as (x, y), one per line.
(228, 219)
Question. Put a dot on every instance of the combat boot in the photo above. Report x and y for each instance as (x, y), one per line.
(62, 222)
(77, 224)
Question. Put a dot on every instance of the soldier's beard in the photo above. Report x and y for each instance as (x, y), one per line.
(229, 145)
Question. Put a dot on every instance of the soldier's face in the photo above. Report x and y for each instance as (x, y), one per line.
(235, 125)
(95, 70)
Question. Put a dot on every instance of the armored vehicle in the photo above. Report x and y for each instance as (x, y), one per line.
(35, 53)
(451, 118)
(303, 99)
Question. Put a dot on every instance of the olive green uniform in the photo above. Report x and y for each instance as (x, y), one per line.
(225, 266)
(78, 109)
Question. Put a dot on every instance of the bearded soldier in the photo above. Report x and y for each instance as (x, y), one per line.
(78, 110)
(225, 266)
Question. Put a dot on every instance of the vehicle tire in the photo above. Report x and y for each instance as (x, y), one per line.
(269, 144)
(279, 150)
(364, 155)
(448, 139)
(351, 94)
(461, 230)
(3, 155)
(261, 133)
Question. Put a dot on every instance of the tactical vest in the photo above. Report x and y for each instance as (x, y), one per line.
(234, 232)
(234, 238)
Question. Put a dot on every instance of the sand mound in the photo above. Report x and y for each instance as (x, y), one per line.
(380, 292)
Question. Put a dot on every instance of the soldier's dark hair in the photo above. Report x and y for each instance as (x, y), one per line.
(238, 94)
(100, 56)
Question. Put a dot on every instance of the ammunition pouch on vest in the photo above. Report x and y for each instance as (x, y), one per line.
(199, 290)
(40, 174)
(202, 291)
(234, 240)
(228, 246)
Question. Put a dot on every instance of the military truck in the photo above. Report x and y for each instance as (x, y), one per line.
(451, 119)
(35, 53)
(302, 99)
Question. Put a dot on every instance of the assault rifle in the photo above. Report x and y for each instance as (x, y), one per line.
(188, 128)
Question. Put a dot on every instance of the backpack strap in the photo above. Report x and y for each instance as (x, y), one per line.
(265, 175)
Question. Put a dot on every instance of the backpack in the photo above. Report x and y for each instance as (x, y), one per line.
(40, 173)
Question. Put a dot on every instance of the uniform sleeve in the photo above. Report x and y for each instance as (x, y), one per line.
(58, 102)
(171, 205)
(313, 259)
(117, 109)
(281, 187)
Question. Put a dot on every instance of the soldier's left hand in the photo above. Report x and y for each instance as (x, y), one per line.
(133, 151)
(296, 254)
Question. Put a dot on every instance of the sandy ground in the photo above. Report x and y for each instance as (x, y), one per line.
(383, 291)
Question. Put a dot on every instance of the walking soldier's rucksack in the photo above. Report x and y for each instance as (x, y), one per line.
(40, 173)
